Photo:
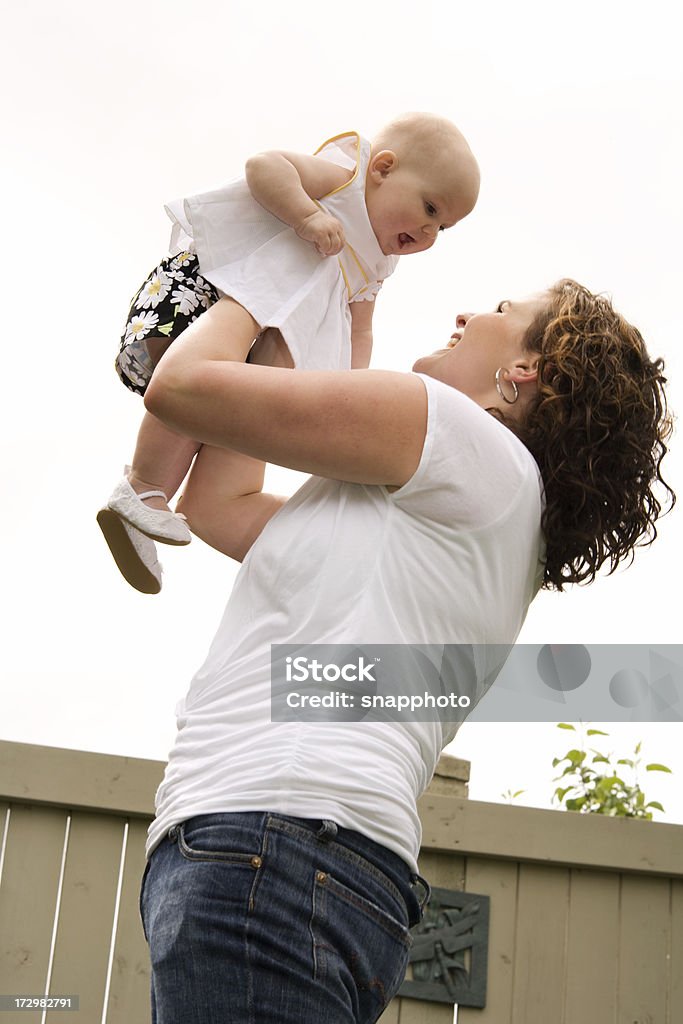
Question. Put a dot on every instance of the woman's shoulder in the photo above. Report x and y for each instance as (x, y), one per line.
(467, 449)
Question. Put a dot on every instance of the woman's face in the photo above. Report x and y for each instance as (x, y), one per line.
(481, 344)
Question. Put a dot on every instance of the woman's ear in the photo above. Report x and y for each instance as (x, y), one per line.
(382, 164)
(524, 371)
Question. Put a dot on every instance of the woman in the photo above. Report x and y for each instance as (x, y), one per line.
(282, 876)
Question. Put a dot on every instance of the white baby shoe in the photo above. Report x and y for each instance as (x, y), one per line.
(134, 553)
(167, 527)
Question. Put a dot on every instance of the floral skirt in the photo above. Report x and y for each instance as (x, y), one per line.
(170, 299)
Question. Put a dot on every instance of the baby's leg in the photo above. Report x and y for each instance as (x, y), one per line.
(223, 497)
(163, 457)
(223, 500)
(270, 350)
(161, 461)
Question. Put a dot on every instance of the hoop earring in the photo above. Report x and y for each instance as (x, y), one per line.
(499, 389)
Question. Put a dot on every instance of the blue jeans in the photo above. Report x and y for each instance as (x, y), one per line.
(259, 918)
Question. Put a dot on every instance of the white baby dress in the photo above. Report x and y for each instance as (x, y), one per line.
(250, 255)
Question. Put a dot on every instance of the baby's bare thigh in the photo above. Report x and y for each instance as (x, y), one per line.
(270, 349)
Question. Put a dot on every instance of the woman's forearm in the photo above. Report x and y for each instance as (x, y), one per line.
(364, 426)
(232, 526)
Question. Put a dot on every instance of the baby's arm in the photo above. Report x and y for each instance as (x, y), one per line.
(361, 334)
(286, 184)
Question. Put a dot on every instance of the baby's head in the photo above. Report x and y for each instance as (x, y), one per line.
(422, 178)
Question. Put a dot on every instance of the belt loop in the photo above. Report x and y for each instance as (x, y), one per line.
(173, 833)
(327, 832)
(427, 890)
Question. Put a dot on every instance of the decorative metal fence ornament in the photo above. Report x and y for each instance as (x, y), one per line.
(449, 957)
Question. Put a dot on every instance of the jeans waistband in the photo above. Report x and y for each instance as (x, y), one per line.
(327, 831)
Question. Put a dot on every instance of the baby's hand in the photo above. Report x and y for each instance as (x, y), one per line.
(324, 231)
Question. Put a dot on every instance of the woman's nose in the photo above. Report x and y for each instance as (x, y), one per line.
(461, 319)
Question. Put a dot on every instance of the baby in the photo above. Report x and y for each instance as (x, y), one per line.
(300, 248)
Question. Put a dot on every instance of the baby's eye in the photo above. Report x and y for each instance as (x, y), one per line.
(431, 210)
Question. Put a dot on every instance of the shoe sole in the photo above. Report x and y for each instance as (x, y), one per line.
(152, 536)
(130, 565)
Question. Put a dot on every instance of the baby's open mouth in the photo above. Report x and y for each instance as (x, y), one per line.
(405, 239)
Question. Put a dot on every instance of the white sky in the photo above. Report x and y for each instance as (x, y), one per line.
(574, 112)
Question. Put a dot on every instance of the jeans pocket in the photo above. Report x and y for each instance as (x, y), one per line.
(219, 842)
(358, 945)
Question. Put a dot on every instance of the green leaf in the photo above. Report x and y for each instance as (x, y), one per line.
(658, 768)
(576, 756)
(625, 760)
(164, 329)
(565, 725)
(576, 804)
(596, 732)
(600, 758)
(656, 804)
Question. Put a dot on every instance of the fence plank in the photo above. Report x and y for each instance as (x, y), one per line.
(442, 869)
(499, 881)
(643, 946)
(4, 821)
(414, 1011)
(87, 912)
(390, 1015)
(129, 998)
(551, 837)
(676, 963)
(79, 779)
(28, 898)
(538, 987)
(592, 941)
(447, 872)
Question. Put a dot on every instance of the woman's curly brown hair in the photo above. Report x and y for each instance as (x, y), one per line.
(597, 430)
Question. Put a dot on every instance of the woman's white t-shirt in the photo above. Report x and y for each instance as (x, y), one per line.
(452, 557)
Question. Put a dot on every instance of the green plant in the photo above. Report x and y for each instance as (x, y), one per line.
(595, 785)
(511, 796)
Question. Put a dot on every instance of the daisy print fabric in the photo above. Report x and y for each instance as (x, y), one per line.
(170, 299)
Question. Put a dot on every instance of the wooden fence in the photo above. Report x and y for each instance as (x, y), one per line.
(586, 912)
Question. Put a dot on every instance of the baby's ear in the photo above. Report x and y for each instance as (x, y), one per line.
(382, 164)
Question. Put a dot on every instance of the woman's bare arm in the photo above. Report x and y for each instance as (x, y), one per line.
(365, 426)
(223, 500)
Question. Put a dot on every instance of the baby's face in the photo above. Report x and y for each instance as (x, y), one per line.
(409, 205)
